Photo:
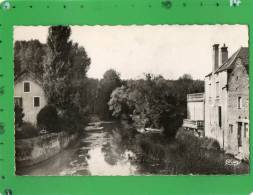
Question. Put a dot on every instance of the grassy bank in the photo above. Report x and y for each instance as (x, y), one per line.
(185, 154)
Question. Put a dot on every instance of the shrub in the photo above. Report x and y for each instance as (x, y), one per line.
(48, 119)
(73, 120)
(210, 144)
(27, 130)
(200, 155)
(18, 116)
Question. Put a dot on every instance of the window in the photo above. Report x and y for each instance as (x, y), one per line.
(239, 102)
(230, 128)
(239, 134)
(18, 101)
(210, 90)
(217, 89)
(219, 114)
(36, 101)
(246, 130)
(27, 87)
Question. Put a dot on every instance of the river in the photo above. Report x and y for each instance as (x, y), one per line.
(107, 151)
(95, 153)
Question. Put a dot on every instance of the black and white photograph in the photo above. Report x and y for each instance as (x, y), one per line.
(131, 100)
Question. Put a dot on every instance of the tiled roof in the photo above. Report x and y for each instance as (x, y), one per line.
(242, 53)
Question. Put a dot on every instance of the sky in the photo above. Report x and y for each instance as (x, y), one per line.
(168, 50)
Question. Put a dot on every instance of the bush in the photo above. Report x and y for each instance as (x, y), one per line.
(73, 120)
(18, 116)
(200, 155)
(210, 144)
(188, 138)
(48, 119)
(27, 130)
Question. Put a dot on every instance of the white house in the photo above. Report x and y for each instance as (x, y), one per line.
(29, 94)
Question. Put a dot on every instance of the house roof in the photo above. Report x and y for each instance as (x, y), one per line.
(242, 53)
(27, 74)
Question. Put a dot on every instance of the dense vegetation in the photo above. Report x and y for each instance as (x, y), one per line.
(62, 65)
(154, 102)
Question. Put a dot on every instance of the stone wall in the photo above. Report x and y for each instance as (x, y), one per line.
(238, 86)
(34, 150)
(215, 98)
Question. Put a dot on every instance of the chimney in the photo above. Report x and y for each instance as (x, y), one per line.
(224, 54)
(215, 57)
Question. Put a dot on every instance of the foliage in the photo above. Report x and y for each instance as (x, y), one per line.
(110, 81)
(188, 138)
(74, 119)
(19, 115)
(90, 91)
(48, 119)
(154, 101)
(64, 77)
(29, 55)
(201, 154)
(27, 131)
(186, 85)
(118, 102)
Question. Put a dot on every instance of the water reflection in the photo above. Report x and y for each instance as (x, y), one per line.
(116, 151)
(98, 165)
(99, 154)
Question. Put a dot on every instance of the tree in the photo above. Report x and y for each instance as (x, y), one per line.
(91, 92)
(29, 55)
(154, 101)
(64, 76)
(186, 85)
(110, 81)
(56, 79)
(19, 115)
(118, 102)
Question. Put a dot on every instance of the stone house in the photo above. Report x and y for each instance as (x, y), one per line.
(227, 101)
(29, 94)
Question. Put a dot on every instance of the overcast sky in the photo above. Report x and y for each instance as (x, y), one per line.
(169, 50)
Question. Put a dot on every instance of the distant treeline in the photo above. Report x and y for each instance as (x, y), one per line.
(62, 65)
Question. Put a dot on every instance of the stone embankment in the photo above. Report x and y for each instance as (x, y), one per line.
(34, 150)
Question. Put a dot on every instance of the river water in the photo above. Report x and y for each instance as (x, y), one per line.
(107, 152)
(97, 152)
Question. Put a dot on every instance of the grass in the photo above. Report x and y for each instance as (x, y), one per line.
(186, 154)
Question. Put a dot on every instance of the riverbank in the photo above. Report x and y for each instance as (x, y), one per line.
(118, 149)
(34, 150)
(185, 154)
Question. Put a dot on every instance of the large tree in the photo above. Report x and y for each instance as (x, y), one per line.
(29, 55)
(110, 81)
(65, 70)
(154, 101)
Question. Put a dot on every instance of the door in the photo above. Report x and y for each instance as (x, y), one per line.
(239, 134)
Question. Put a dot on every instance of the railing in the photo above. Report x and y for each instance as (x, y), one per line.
(195, 97)
(197, 127)
(192, 124)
